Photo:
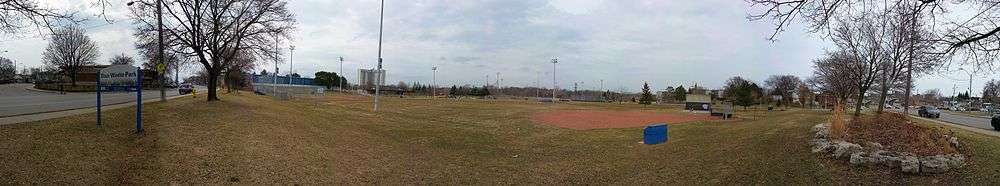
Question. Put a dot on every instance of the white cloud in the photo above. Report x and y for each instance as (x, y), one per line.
(623, 42)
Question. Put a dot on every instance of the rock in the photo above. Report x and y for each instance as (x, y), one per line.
(934, 164)
(887, 158)
(955, 160)
(820, 145)
(844, 149)
(910, 164)
(875, 145)
(954, 142)
(819, 127)
(821, 131)
(858, 159)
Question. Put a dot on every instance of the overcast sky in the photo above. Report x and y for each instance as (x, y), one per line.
(664, 42)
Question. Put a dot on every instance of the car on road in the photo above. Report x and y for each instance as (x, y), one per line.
(930, 112)
(185, 89)
(996, 121)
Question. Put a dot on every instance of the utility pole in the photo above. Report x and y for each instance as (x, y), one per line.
(953, 98)
(159, 33)
(341, 87)
(378, 72)
(434, 82)
(554, 61)
(498, 83)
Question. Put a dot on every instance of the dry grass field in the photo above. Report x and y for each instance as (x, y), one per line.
(336, 139)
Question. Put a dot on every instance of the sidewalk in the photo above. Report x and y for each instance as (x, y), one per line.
(65, 113)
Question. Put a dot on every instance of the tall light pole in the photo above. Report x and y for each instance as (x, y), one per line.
(554, 61)
(434, 82)
(291, 55)
(602, 85)
(378, 72)
(341, 74)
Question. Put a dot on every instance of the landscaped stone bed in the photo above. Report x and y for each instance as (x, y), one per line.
(874, 154)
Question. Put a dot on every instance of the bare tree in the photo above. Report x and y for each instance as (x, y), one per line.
(905, 46)
(974, 38)
(832, 75)
(991, 92)
(932, 96)
(69, 49)
(122, 59)
(783, 85)
(18, 15)
(6, 70)
(146, 44)
(235, 74)
(862, 38)
(214, 32)
(806, 95)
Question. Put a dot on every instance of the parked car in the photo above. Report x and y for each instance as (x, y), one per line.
(185, 89)
(996, 122)
(930, 112)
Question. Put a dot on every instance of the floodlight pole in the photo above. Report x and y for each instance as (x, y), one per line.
(554, 61)
(378, 72)
(341, 87)
(434, 82)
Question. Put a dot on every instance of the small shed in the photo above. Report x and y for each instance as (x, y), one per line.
(699, 102)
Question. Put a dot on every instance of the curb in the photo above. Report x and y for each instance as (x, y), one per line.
(43, 91)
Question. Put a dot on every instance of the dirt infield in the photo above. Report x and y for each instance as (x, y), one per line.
(583, 120)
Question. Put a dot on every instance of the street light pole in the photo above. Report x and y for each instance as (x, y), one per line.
(379, 74)
(554, 61)
(291, 56)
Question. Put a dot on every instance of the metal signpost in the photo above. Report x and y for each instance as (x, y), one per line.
(121, 78)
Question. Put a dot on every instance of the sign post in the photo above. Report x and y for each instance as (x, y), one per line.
(121, 78)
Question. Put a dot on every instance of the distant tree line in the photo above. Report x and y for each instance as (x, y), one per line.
(468, 91)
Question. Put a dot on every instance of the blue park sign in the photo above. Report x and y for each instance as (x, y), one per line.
(121, 78)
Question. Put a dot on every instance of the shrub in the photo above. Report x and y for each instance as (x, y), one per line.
(895, 132)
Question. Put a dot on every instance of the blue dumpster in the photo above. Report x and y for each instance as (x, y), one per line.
(655, 134)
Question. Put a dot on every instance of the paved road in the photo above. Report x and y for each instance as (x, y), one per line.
(977, 122)
(16, 100)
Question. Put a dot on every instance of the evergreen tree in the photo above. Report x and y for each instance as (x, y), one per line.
(647, 96)
(486, 91)
(680, 94)
(453, 91)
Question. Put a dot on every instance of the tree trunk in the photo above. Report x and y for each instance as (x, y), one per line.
(72, 77)
(213, 83)
(882, 96)
(859, 102)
